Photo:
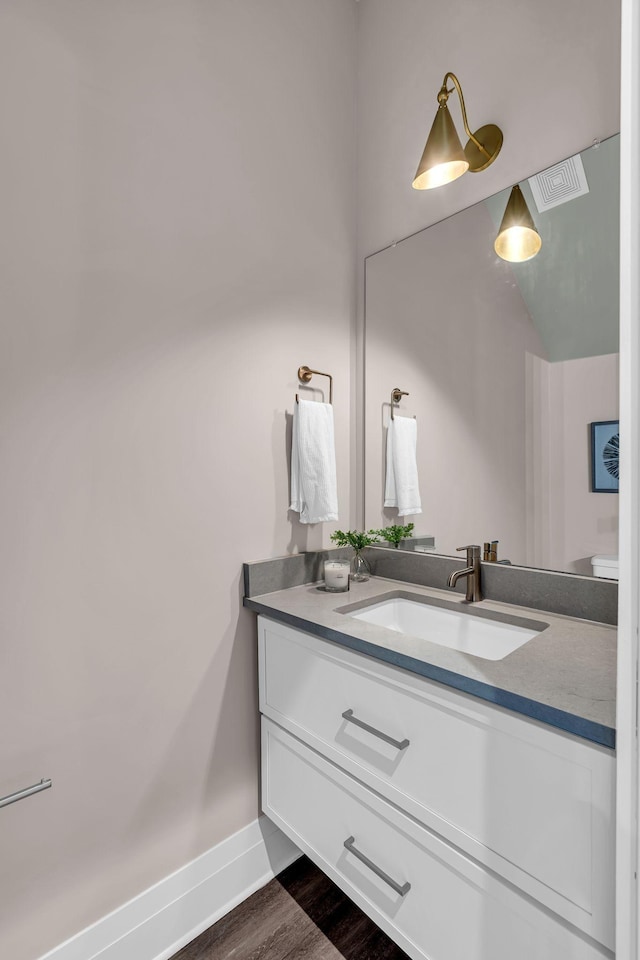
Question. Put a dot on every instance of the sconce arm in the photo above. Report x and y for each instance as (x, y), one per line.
(443, 96)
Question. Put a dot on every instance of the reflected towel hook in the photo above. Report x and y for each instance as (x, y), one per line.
(396, 393)
(305, 374)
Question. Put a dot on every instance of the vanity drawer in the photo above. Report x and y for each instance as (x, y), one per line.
(533, 804)
(436, 903)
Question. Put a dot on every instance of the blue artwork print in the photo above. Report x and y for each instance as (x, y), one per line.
(605, 450)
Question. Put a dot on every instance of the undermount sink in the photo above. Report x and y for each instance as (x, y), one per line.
(482, 633)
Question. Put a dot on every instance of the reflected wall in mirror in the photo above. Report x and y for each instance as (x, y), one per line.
(506, 366)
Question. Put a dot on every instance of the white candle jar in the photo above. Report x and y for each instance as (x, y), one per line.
(336, 576)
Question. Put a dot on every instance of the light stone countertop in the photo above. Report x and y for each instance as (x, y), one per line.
(565, 676)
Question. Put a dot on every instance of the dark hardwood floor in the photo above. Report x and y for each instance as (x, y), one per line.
(301, 915)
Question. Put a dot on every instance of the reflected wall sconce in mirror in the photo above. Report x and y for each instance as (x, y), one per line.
(517, 240)
(444, 159)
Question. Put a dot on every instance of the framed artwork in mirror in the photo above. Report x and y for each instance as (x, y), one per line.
(605, 448)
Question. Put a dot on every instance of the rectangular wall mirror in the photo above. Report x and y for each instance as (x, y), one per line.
(506, 365)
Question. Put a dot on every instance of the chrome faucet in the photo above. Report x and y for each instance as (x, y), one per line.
(471, 572)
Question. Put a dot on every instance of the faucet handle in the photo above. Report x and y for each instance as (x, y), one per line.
(473, 551)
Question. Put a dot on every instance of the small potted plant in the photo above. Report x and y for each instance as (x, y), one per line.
(357, 540)
(395, 534)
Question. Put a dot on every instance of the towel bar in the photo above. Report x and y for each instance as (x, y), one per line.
(27, 792)
(304, 376)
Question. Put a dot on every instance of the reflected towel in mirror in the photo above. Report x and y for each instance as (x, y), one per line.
(401, 487)
(314, 489)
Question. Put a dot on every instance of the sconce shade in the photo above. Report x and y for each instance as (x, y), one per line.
(517, 240)
(443, 159)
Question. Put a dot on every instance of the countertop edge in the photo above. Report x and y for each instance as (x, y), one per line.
(552, 716)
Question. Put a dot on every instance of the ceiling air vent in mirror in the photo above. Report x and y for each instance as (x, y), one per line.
(564, 181)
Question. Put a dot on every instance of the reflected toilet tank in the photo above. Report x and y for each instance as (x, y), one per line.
(605, 566)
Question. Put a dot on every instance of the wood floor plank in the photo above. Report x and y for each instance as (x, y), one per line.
(348, 934)
(300, 915)
(253, 927)
(315, 947)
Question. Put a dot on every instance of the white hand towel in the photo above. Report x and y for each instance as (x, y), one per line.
(401, 487)
(314, 489)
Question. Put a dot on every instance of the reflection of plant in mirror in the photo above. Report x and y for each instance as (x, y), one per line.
(395, 534)
(358, 540)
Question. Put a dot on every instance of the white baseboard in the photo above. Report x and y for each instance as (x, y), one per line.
(161, 920)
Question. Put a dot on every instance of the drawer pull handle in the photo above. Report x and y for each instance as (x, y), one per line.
(402, 890)
(398, 744)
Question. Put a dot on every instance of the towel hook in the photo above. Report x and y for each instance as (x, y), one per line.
(396, 393)
(305, 374)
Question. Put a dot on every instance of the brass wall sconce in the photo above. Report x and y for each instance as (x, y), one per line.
(444, 159)
(517, 240)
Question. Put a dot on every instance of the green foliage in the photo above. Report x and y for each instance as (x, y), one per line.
(357, 539)
(394, 534)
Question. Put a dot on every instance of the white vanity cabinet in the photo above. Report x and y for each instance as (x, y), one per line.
(462, 829)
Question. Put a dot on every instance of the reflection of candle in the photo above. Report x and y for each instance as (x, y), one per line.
(336, 575)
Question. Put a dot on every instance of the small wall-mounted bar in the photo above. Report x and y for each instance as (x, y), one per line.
(27, 792)
(305, 374)
(396, 393)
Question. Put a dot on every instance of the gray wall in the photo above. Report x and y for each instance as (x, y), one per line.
(177, 238)
(571, 287)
